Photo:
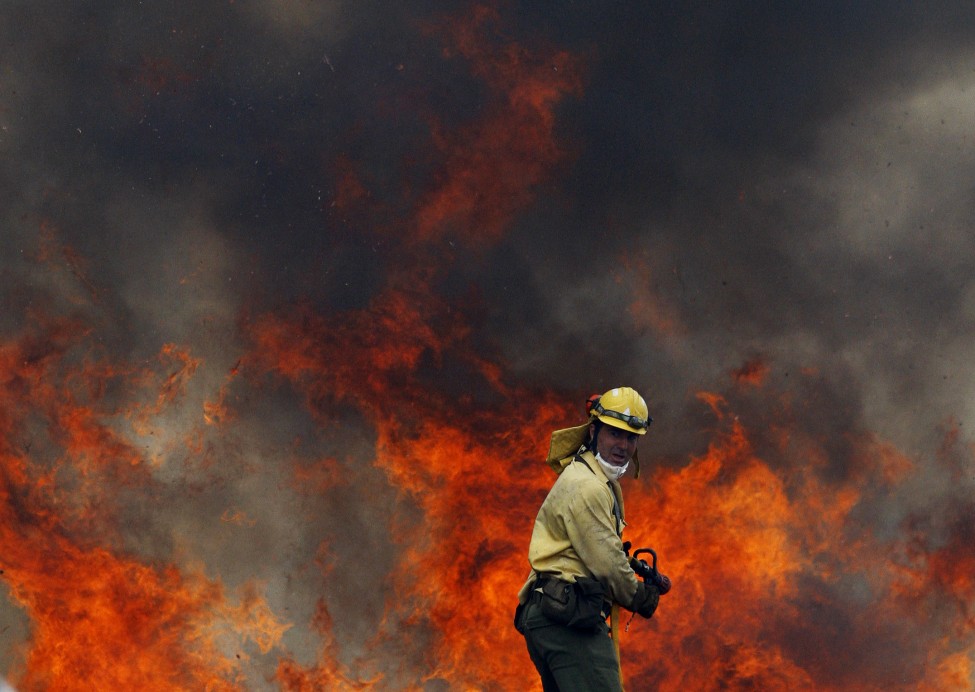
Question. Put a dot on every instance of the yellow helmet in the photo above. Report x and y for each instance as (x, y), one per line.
(624, 408)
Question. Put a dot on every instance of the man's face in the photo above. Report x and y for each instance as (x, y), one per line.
(615, 445)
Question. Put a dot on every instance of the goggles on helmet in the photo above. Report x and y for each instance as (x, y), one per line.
(632, 421)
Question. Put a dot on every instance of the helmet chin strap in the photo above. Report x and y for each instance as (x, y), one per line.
(613, 473)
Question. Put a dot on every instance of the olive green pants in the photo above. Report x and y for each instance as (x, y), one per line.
(571, 660)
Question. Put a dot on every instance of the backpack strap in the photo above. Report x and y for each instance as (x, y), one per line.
(616, 506)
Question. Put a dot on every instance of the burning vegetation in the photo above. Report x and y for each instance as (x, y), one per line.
(339, 495)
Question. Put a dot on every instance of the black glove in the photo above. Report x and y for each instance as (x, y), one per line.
(644, 570)
(641, 568)
(646, 599)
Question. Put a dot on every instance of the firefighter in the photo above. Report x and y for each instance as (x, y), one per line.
(579, 567)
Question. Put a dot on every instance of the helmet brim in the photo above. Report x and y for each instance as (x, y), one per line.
(617, 423)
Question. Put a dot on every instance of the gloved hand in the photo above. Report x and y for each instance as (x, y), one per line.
(641, 567)
(644, 570)
(646, 599)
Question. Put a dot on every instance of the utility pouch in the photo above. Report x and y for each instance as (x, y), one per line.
(578, 605)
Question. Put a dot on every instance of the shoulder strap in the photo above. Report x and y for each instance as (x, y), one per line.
(617, 513)
(582, 461)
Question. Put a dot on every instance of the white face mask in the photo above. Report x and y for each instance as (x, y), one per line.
(613, 473)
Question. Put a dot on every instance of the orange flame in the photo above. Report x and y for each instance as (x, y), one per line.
(778, 583)
(100, 619)
(492, 166)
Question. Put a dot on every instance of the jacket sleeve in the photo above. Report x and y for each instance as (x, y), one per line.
(591, 527)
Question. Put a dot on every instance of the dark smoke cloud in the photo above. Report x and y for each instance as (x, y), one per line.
(787, 185)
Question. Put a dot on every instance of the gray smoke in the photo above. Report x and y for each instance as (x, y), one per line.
(789, 185)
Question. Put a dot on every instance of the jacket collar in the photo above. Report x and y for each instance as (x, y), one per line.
(590, 460)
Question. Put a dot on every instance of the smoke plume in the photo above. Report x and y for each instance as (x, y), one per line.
(294, 294)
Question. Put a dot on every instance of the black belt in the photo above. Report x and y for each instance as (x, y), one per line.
(536, 595)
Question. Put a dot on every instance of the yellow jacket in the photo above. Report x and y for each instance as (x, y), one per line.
(576, 532)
